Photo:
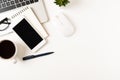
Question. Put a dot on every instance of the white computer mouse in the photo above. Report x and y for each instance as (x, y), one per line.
(64, 24)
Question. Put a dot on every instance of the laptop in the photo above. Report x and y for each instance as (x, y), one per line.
(10, 6)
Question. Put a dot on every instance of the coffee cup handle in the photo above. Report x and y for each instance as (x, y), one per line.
(14, 61)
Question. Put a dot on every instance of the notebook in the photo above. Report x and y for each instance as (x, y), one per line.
(27, 13)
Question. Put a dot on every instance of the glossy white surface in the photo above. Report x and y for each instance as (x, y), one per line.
(92, 53)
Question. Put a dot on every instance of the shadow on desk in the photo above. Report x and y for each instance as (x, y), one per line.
(21, 51)
(74, 3)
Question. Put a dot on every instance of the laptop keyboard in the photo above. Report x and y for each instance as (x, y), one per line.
(6, 5)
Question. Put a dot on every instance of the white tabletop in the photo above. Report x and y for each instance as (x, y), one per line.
(92, 53)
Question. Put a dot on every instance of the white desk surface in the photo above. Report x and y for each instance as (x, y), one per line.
(92, 53)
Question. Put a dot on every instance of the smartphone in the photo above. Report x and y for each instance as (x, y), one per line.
(31, 37)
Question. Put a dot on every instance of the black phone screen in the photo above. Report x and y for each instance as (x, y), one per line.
(27, 34)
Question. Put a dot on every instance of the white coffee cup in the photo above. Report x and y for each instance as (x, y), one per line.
(8, 50)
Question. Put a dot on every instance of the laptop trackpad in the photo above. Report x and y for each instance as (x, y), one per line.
(40, 11)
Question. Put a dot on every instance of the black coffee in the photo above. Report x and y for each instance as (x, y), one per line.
(7, 49)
